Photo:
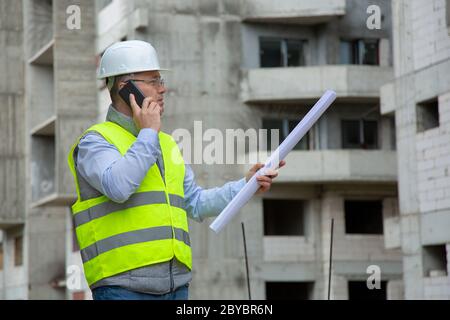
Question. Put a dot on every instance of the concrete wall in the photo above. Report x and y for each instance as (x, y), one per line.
(421, 64)
(76, 284)
(308, 12)
(207, 47)
(194, 40)
(433, 162)
(353, 26)
(365, 249)
(339, 166)
(12, 109)
(306, 258)
(251, 32)
(15, 278)
(44, 233)
(309, 83)
(355, 111)
(49, 97)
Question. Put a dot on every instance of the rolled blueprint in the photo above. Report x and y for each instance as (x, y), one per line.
(279, 154)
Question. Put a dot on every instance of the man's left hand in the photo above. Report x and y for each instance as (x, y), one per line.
(265, 181)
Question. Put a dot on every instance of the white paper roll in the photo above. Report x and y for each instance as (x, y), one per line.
(279, 154)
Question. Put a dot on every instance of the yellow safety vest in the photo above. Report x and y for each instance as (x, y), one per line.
(150, 227)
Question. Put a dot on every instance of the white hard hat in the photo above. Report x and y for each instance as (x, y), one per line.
(128, 57)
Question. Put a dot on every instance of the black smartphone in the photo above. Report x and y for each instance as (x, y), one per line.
(128, 88)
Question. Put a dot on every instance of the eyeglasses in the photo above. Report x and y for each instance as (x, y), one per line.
(154, 82)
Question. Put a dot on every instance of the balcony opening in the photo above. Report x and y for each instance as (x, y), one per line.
(359, 134)
(393, 133)
(283, 217)
(358, 290)
(427, 115)
(43, 168)
(434, 261)
(277, 52)
(18, 251)
(289, 290)
(363, 217)
(284, 127)
(360, 51)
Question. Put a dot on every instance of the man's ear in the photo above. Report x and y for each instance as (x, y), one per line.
(121, 84)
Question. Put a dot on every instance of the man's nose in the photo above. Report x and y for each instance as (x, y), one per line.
(162, 89)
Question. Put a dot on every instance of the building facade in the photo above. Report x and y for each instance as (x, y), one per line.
(419, 99)
(253, 64)
(48, 97)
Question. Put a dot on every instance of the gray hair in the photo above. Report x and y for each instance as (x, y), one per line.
(112, 83)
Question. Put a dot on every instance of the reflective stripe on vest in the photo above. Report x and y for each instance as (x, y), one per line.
(132, 237)
(150, 227)
(135, 200)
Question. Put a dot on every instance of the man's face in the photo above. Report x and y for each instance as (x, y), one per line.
(150, 88)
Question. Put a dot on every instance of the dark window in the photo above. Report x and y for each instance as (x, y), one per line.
(284, 127)
(289, 290)
(273, 124)
(393, 133)
(346, 52)
(427, 115)
(295, 55)
(270, 53)
(1, 255)
(276, 52)
(434, 260)
(362, 51)
(358, 290)
(283, 217)
(368, 52)
(351, 135)
(363, 217)
(18, 251)
(304, 143)
(370, 134)
(359, 134)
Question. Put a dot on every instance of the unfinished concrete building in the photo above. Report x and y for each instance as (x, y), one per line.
(420, 99)
(48, 96)
(262, 64)
(234, 65)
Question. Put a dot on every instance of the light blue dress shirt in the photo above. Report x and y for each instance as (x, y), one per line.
(117, 176)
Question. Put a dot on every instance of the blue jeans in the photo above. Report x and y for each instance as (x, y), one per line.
(119, 293)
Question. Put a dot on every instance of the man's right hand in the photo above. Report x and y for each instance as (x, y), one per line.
(149, 116)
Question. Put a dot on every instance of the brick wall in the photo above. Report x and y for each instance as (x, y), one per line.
(433, 162)
(428, 18)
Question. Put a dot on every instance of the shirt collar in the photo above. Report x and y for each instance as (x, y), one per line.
(122, 120)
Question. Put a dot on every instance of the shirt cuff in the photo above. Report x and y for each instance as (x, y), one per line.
(238, 186)
(150, 138)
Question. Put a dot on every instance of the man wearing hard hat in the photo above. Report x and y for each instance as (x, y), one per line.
(134, 190)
